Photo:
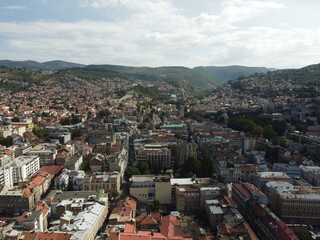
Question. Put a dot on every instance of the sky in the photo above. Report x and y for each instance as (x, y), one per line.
(277, 34)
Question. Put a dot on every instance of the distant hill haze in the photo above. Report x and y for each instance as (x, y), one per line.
(51, 65)
(198, 77)
(230, 73)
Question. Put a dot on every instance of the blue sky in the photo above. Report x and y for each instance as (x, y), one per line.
(281, 34)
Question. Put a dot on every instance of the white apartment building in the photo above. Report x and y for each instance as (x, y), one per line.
(19, 170)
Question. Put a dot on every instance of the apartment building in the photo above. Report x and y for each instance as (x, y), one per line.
(295, 204)
(109, 182)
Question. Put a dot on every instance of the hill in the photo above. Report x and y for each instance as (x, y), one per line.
(303, 82)
(175, 75)
(51, 65)
(58, 64)
(229, 73)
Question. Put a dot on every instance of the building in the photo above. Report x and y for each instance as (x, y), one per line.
(311, 174)
(109, 182)
(295, 204)
(18, 170)
(74, 162)
(291, 171)
(251, 204)
(158, 156)
(248, 172)
(243, 143)
(142, 187)
(263, 177)
(170, 229)
(15, 201)
(186, 150)
(86, 224)
(147, 188)
(61, 182)
(208, 193)
(46, 153)
(188, 199)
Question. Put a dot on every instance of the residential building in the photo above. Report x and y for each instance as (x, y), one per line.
(109, 182)
(263, 177)
(251, 204)
(19, 170)
(157, 156)
(295, 204)
(291, 171)
(311, 174)
(147, 188)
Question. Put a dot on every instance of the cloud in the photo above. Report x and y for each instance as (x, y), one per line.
(157, 33)
(14, 7)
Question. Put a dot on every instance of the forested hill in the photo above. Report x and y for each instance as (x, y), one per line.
(166, 74)
(29, 64)
(303, 82)
(229, 73)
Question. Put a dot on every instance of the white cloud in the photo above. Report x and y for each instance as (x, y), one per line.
(14, 7)
(157, 33)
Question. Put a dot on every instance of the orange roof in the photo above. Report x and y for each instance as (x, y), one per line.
(43, 235)
(56, 170)
(26, 193)
(129, 228)
(148, 220)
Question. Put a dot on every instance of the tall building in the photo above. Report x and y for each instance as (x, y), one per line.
(295, 204)
(18, 170)
(185, 150)
(251, 203)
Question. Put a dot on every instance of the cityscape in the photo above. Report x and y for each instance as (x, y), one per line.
(159, 120)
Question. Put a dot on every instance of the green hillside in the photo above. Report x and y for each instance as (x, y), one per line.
(166, 74)
(29, 64)
(228, 73)
(303, 82)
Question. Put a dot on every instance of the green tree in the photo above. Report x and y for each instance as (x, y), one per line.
(41, 133)
(193, 166)
(269, 132)
(303, 235)
(15, 119)
(103, 113)
(76, 133)
(8, 141)
(155, 206)
(85, 166)
(206, 167)
(144, 168)
(115, 194)
(131, 171)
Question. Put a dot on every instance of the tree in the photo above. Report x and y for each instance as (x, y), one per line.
(85, 166)
(206, 167)
(15, 119)
(8, 141)
(103, 113)
(142, 126)
(144, 168)
(115, 194)
(155, 206)
(192, 165)
(76, 133)
(303, 235)
(269, 132)
(131, 171)
(40, 132)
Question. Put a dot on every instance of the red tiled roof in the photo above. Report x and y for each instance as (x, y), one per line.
(43, 235)
(129, 228)
(56, 170)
